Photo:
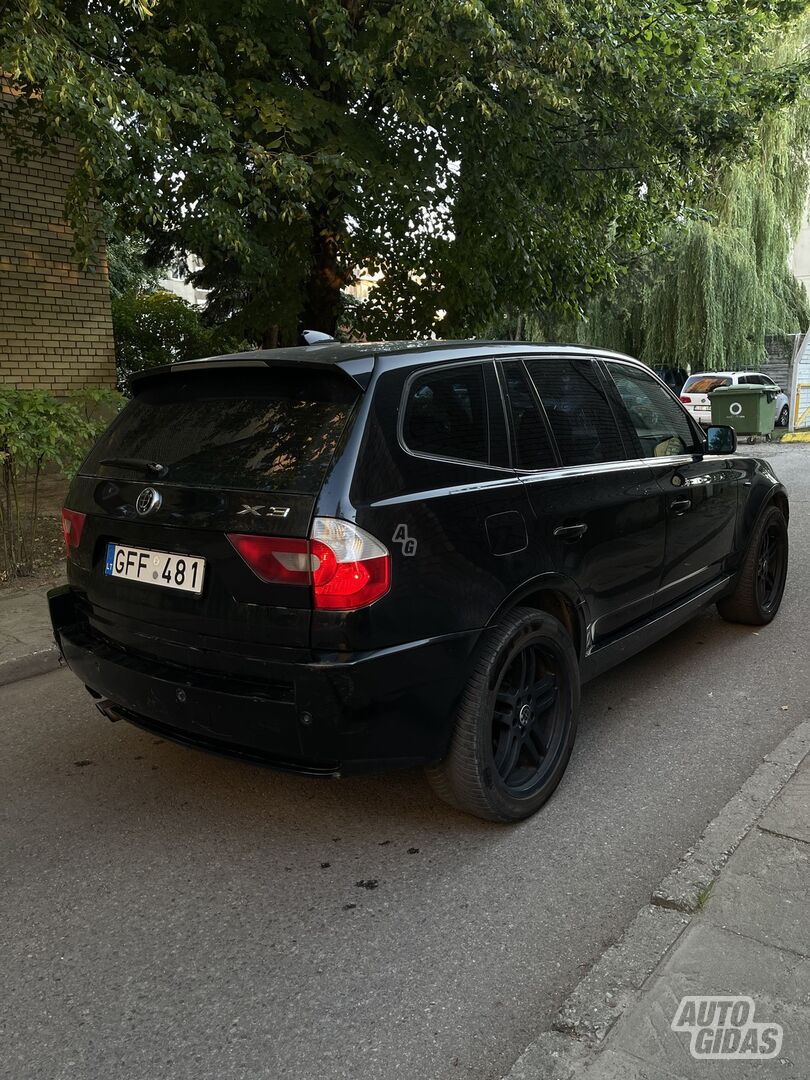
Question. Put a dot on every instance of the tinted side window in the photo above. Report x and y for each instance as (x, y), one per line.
(446, 414)
(578, 410)
(533, 448)
(660, 423)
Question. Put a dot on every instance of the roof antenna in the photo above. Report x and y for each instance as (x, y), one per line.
(314, 337)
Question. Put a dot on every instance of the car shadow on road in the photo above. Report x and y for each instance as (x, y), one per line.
(133, 779)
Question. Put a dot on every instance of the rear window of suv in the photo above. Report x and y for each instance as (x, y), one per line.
(704, 384)
(257, 430)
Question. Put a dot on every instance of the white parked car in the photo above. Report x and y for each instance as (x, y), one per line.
(696, 390)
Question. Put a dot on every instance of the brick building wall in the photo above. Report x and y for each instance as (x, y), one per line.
(55, 320)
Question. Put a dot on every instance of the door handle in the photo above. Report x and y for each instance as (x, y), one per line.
(570, 532)
(680, 506)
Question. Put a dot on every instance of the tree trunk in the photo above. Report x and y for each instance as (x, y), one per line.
(271, 338)
(327, 277)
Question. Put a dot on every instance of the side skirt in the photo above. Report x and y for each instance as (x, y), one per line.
(614, 652)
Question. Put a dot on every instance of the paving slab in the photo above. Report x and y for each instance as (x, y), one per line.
(765, 893)
(712, 961)
(789, 814)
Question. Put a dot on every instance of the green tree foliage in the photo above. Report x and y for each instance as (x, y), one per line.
(39, 430)
(153, 328)
(473, 151)
(127, 265)
(721, 281)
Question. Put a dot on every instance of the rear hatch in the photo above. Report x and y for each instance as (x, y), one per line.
(233, 451)
(696, 390)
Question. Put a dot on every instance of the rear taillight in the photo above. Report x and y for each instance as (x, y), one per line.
(686, 399)
(345, 566)
(275, 558)
(353, 568)
(72, 526)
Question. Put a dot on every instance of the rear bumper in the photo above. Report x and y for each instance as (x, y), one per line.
(328, 715)
(703, 418)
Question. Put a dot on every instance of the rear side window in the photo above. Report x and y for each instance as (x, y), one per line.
(533, 448)
(704, 384)
(578, 411)
(262, 430)
(446, 414)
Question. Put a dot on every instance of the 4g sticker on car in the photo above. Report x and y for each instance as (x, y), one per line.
(401, 537)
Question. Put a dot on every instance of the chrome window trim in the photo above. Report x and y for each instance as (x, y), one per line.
(554, 472)
(521, 476)
(608, 466)
(455, 489)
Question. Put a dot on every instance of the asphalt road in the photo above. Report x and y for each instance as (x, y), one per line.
(171, 914)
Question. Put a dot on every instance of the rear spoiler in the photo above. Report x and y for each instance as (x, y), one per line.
(356, 368)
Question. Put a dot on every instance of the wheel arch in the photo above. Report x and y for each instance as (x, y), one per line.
(761, 497)
(556, 596)
(781, 500)
(773, 496)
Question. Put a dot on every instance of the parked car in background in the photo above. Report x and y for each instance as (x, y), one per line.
(674, 377)
(340, 557)
(696, 390)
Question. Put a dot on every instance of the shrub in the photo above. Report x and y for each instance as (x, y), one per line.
(153, 328)
(38, 430)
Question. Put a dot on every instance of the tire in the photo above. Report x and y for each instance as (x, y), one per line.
(518, 709)
(782, 418)
(761, 579)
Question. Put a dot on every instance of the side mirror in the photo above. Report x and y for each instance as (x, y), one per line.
(721, 439)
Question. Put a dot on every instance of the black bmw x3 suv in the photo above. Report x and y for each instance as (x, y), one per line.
(337, 557)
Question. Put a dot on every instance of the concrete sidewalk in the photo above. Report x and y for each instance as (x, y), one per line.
(26, 642)
(745, 934)
(752, 938)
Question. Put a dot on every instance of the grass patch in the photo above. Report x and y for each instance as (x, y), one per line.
(703, 897)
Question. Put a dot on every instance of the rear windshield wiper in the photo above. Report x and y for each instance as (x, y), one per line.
(153, 468)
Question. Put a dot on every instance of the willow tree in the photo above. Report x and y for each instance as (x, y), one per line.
(720, 281)
(474, 152)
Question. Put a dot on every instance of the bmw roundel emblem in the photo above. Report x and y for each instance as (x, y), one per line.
(148, 500)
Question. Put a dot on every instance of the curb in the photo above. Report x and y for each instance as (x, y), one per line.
(26, 667)
(688, 884)
(616, 978)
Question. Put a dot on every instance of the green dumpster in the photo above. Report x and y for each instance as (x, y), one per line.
(749, 409)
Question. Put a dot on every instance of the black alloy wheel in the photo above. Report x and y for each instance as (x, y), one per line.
(516, 722)
(771, 565)
(760, 582)
(527, 721)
